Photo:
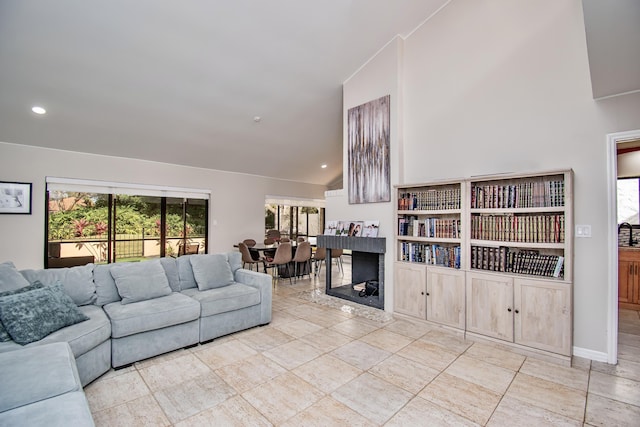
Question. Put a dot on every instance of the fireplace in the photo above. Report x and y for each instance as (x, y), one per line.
(367, 264)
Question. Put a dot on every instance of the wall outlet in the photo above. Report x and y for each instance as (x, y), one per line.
(583, 231)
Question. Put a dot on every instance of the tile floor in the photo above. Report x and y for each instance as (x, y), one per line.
(319, 365)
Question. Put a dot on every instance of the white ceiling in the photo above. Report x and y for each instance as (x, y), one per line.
(181, 81)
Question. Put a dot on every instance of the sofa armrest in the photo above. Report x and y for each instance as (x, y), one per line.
(263, 282)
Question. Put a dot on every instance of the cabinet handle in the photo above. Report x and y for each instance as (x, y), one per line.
(636, 265)
(421, 293)
(509, 309)
(427, 293)
(630, 269)
(517, 311)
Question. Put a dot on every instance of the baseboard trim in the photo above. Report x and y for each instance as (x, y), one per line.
(585, 353)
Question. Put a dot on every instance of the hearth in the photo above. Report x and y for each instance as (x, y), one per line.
(367, 265)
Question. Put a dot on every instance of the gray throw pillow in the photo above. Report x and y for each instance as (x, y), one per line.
(31, 316)
(10, 278)
(140, 281)
(211, 271)
(4, 335)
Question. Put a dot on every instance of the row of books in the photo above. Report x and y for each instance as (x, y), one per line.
(547, 228)
(528, 194)
(446, 256)
(410, 225)
(529, 262)
(432, 199)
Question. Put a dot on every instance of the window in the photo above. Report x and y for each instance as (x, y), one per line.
(97, 222)
(294, 218)
(628, 200)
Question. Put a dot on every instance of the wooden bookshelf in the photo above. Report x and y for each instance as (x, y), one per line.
(505, 257)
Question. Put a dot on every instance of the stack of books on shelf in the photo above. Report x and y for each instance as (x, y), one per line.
(446, 256)
(433, 199)
(528, 194)
(529, 262)
(544, 228)
(410, 225)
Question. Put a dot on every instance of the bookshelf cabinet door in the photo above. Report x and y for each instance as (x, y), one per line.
(446, 296)
(542, 316)
(490, 305)
(409, 290)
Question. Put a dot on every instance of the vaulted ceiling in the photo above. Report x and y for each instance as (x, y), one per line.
(183, 82)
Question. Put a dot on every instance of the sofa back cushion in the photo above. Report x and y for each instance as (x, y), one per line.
(211, 271)
(78, 281)
(235, 261)
(140, 281)
(171, 271)
(185, 272)
(106, 290)
(10, 278)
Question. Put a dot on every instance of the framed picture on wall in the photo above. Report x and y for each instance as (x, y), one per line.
(15, 197)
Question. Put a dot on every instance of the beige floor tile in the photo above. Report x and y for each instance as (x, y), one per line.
(616, 388)
(193, 396)
(624, 314)
(570, 377)
(625, 369)
(513, 412)
(447, 339)
(549, 395)
(299, 328)
(629, 339)
(293, 354)
(281, 317)
(143, 411)
(372, 397)
(629, 328)
(250, 372)
(354, 328)
(387, 340)
(481, 373)
(283, 303)
(234, 412)
(580, 363)
(462, 397)
(360, 354)
(283, 397)
(327, 318)
(409, 329)
(428, 354)
(628, 352)
(221, 355)
(606, 412)
(112, 391)
(303, 310)
(496, 355)
(111, 373)
(422, 412)
(161, 358)
(173, 372)
(328, 412)
(407, 374)
(327, 373)
(265, 338)
(326, 340)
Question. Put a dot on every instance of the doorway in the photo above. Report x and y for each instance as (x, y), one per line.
(612, 173)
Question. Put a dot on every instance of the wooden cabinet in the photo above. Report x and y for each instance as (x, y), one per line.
(410, 289)
(629, 278)
(446, 296)
(490, 305)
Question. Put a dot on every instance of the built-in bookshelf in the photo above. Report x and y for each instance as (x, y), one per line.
(489, 255)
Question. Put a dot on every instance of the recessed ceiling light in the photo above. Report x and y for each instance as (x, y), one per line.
(257, 118)
(38, 110)
(323, 166)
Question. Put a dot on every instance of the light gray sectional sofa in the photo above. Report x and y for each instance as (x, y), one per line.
(134, 311)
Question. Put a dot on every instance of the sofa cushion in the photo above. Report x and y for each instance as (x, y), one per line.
(83, 336)
(211, 271)
(185, 272)
(171, 271)
(4, 335)
(152, 314)
(31, 316)
(10, 278)
(235, 261)
(37, 373)
(224, 299)
(78, 281)
(140, 281)
(106, 290)
(56, 411)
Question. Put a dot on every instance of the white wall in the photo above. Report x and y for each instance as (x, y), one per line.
(495, 86)
(236, 206)
(380, 77)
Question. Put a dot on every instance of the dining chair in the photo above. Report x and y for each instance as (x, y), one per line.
(285, 240)
(247, 258)
(318, 258)
(249, 242)
(302, 256)
(337, 255)
(269, 241)
(300, 239)
(282, 257)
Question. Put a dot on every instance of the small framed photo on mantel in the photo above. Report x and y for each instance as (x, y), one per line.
(15, 197)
